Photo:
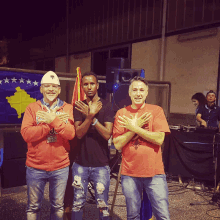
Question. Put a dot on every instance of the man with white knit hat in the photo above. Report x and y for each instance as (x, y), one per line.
(47, 126)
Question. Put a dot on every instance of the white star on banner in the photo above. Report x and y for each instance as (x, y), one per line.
(6, 80)
(28, 81)
(14, 80)
(35, 83)
(21, 80)
(0, 81)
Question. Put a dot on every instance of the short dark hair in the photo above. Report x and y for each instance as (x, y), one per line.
(200, 98)
(139, 78)
(90, 74)
(210, 91)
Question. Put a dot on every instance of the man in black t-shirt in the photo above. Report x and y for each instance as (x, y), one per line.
(93, 122)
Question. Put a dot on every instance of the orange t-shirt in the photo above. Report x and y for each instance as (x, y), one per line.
(141, 158)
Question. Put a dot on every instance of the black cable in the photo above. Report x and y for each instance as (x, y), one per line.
(181, 188)
(208, 202)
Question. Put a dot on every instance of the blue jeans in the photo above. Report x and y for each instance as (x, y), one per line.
(156, 189)
(100, 176)
(36, 181)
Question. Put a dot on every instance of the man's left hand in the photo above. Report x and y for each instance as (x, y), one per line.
(46, 117)
(144, 119)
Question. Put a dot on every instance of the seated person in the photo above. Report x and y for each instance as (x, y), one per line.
(209, 114)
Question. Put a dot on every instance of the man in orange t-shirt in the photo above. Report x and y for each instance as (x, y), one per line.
(139, 131)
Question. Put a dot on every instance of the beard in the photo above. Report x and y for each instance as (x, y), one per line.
(51, 98)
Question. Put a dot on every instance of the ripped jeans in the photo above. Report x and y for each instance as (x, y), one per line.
(100, 176)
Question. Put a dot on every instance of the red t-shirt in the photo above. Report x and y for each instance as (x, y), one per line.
(141, 158)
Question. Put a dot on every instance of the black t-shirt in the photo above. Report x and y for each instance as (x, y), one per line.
(94, 150)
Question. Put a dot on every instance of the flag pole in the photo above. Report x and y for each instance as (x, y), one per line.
(78, 82)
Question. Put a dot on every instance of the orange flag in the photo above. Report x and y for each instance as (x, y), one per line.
(78, 93)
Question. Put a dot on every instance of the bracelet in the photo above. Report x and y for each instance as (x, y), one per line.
(96, 120)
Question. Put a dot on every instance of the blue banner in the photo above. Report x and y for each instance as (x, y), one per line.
(17, 91)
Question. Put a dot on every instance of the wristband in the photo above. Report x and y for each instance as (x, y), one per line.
(96, 120)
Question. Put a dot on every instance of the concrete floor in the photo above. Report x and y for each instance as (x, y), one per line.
(13, 203)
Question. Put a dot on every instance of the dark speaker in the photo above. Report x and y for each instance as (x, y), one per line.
(13, 173)
(122, 79)
(14, 145)
(102, 90)
(121, 97)
(114, 63)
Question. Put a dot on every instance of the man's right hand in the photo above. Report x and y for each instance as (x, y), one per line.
(46, 117)
(82, 107)
(95, 107)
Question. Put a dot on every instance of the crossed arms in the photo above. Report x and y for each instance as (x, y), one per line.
(134, 125)
(32, 132)
(90, 111)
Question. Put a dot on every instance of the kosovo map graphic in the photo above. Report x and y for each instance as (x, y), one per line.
(20, 100)
(17, 91)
